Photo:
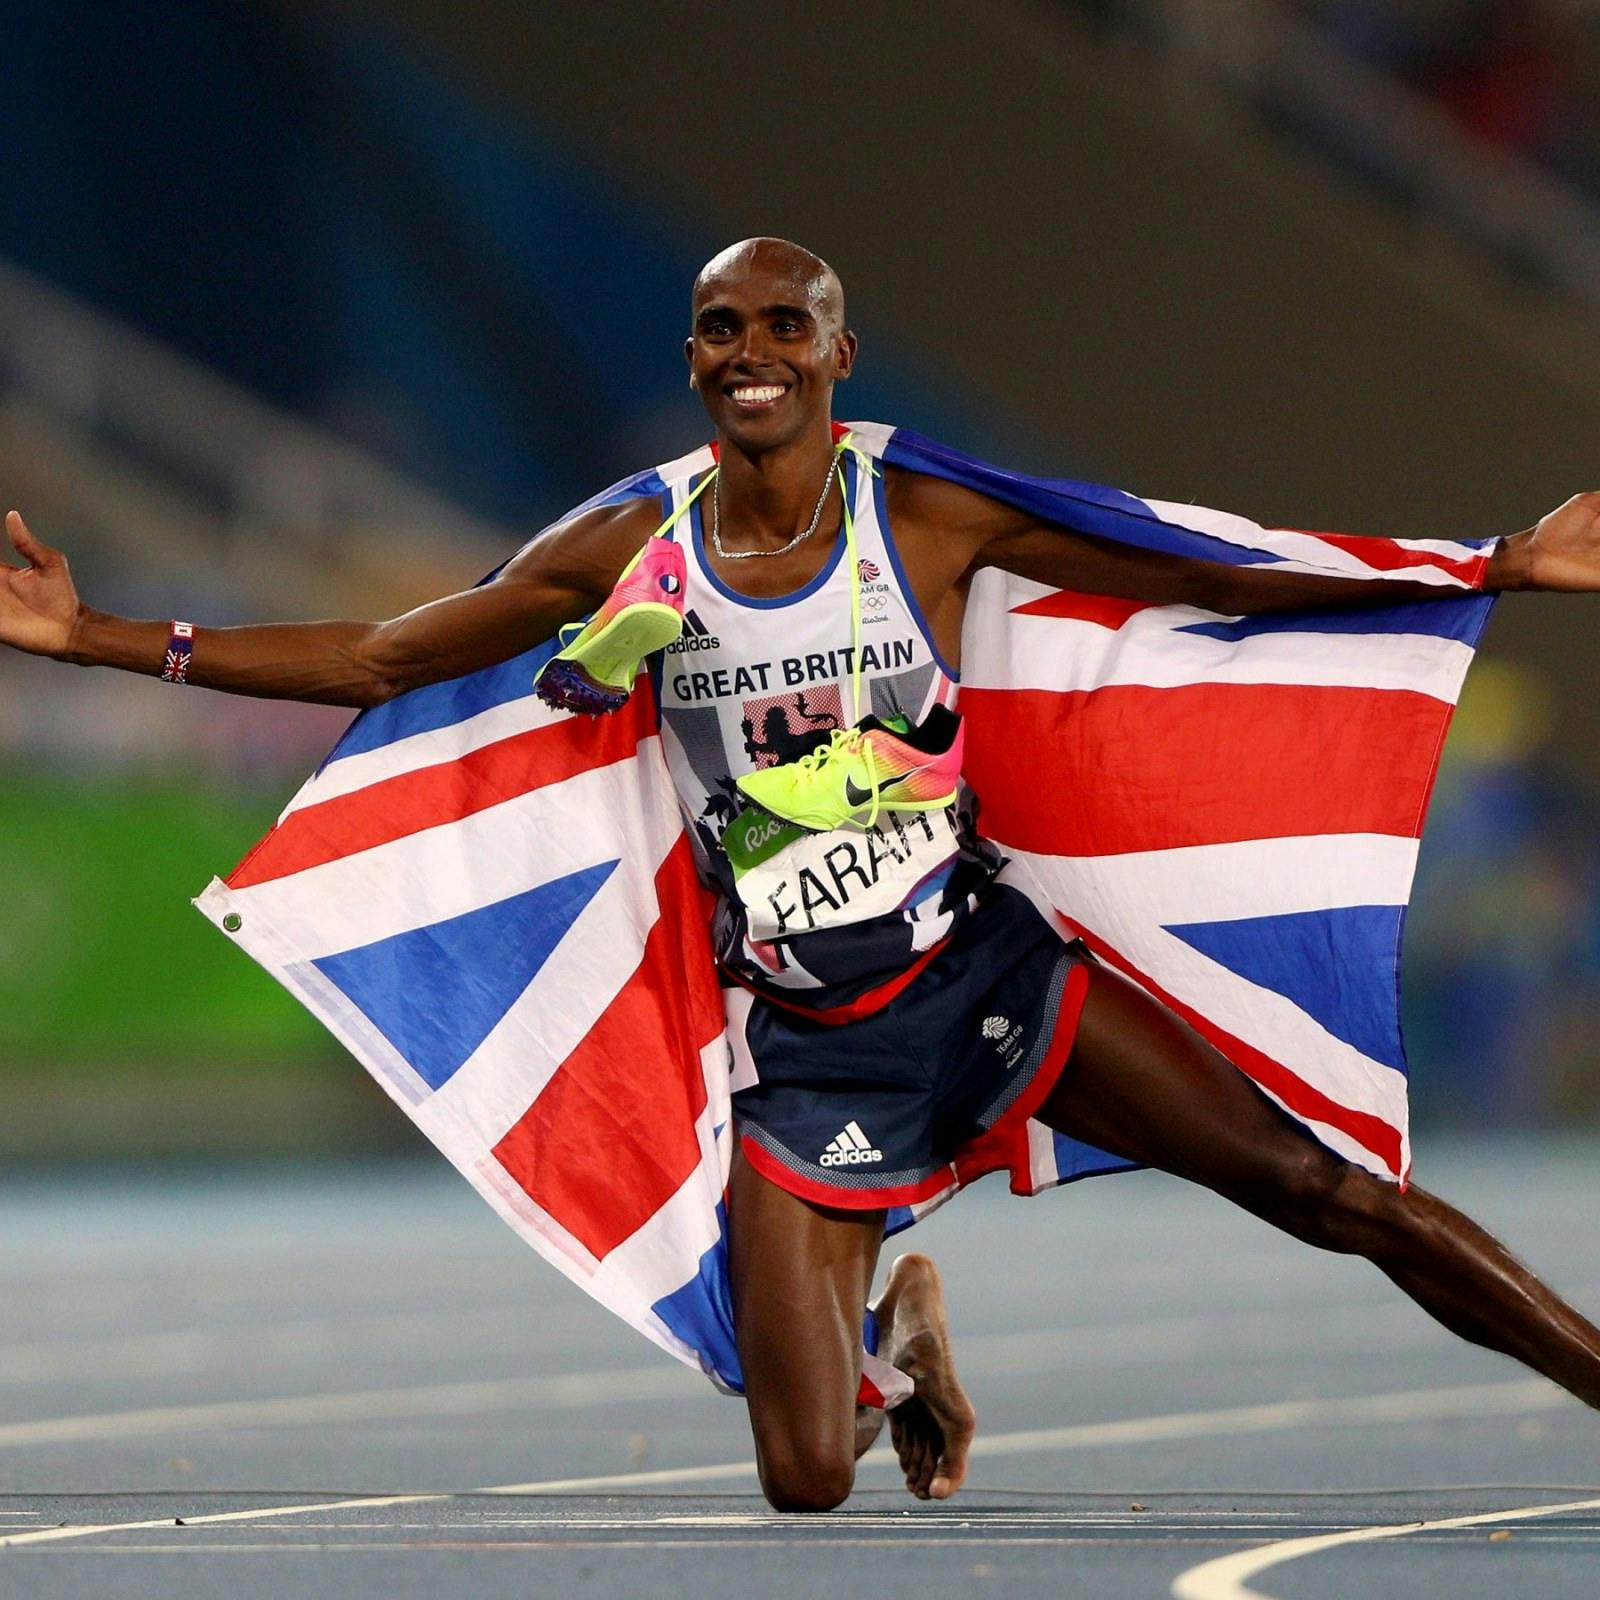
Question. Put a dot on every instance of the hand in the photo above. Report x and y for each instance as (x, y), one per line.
(39, 606)
(1561, 551)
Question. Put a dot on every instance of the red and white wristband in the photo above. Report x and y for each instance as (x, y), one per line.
(180, 646)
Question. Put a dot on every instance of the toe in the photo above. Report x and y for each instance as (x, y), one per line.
(916, 1467)
(950, 1471)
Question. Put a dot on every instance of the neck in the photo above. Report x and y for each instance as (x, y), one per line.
(771, 494)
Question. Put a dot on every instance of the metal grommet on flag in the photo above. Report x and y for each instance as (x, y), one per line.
(180, 646)
(232, 923)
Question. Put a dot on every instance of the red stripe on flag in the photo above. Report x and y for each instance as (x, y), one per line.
(611, 1138)
(1099, 772)
(394, 808)
(1369, 1131)
(1104, 609)
(869, 1394)
(1388, 555)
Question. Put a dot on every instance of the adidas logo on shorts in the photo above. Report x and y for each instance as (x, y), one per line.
(850, 1148)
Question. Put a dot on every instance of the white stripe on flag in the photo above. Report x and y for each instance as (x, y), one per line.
(436, 747)
(650, 1264)
(1249, 877)
(1342, 1144)
(1042, 1168)
(579, 979)
(1303, 552)
(461, 866)
(1066, 654)
(1262, 878)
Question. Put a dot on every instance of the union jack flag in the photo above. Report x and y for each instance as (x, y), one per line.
(493, 905)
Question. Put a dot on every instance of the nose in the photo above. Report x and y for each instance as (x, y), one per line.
(753, 345)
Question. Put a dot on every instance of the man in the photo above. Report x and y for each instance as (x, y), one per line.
(844, 1005)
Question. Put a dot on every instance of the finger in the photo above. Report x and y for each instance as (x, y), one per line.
(24, 543)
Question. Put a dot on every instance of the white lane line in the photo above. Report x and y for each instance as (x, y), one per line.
(801, 1538)
(50, 1535)
(720, 1473)
(1342, 1328)
(185, 1352)
(1411, 1405)
(928, 1522)
(1516, 1397)
(656, 1382)
(1223, 1578)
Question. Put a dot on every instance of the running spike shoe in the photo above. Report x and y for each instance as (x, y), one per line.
(593, 672)
(863, 770)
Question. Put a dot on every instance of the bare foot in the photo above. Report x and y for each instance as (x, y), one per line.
(932, 1431)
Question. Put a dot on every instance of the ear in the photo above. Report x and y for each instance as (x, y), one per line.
(688, 355)
(844, 355)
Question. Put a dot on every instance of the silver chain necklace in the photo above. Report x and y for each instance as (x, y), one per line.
(783, 550)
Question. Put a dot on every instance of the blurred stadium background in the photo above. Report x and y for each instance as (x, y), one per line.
(314, 309)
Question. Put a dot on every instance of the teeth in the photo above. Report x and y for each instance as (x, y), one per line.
(752, 396)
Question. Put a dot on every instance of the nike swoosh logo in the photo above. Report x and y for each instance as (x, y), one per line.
(854, 797)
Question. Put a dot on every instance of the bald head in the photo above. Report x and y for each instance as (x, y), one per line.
(767, 345)
(810, 280)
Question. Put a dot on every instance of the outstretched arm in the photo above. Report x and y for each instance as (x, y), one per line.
(1562, 552)
(556, 579)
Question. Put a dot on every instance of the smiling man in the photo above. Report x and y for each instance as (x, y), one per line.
(895, 1010)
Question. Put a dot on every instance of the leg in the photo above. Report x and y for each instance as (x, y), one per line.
(1142, 1084)
(800, 1280)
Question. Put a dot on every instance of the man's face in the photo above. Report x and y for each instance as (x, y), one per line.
(766, 351)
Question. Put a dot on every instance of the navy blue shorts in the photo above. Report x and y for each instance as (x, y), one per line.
(929, 1091)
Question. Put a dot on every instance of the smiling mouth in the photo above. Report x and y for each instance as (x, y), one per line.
(757, 396)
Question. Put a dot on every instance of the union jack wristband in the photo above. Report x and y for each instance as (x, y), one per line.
(180, 646)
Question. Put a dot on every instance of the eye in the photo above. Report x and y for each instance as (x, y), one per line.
(786, 325)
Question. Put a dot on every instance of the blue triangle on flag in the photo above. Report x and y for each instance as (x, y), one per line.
(435, 993)
(1340, 966)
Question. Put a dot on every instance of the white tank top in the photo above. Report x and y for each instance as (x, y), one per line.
(752, 683)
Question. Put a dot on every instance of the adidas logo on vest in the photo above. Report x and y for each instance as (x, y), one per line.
(696, 636)
(850, 1148)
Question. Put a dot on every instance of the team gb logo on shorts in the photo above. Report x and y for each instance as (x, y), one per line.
(996, 1027)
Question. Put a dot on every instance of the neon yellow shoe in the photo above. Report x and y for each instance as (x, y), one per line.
(864, 770)
(594, 672)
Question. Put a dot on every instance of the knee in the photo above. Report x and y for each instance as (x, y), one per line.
(1324, 1200)
(795, 1479)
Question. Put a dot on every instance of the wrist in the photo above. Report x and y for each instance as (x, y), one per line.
(1511, 564)
(80, 648)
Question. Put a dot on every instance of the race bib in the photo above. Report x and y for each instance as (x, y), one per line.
(791, 880)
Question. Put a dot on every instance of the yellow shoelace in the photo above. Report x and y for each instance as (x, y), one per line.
(570, 630)
(843, 742)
